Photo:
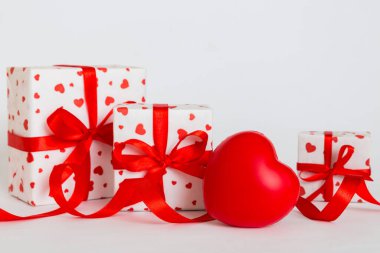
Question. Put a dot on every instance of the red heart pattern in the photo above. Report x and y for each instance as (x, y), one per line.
(79, 102)
(124, 84)
(109, 100)
(181, 133)
(26, 124)
(310, 148)
(102, 69)
(98, 170)
(123, 110)
(140, 129)
(66, 93)
(59, 88)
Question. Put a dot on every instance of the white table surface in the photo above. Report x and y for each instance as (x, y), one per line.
(357, 230)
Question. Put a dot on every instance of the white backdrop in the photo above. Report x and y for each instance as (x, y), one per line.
(278, 67)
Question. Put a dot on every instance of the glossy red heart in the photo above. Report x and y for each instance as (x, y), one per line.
(245, 185)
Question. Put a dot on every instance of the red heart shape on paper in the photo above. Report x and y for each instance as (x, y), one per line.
(59, 88)
(245, 185)
(310, 148)
(79, 102)
(181, 133)
(191, 116)
(29, 157)
(109, 100)
(98, 170)
(102, 69)
(124, 84)
(26, 124)
(123, 110)
(140, 129)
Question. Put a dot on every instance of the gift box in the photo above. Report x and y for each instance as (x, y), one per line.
(34, 93)
(172, 125)
(325, 158)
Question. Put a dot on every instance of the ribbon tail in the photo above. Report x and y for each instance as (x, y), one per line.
(6, 216)
(365, 194)
(127, 194)
(154, 200)
(336, 206)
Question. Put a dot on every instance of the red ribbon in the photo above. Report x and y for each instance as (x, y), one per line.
(68, 131)
(353, 183)
(153, 160)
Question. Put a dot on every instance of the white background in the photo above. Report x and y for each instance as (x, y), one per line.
(274, 66)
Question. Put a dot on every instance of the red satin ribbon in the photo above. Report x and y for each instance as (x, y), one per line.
(191, 159)
(68, 131)
(353, 183)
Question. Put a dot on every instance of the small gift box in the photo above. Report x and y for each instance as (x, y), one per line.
(171, 143)
(325, 158)
(52, 110)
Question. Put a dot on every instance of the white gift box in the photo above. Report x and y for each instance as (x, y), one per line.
(311, 151)
(135, 121)
(34, 93)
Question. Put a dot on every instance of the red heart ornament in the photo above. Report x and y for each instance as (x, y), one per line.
(245, 185)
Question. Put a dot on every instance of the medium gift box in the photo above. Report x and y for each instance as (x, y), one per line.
(169, 142)
(52, 111)
(325, 158)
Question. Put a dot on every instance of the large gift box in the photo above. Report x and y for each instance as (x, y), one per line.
(166, 128)
(324, 158)
(34, 93)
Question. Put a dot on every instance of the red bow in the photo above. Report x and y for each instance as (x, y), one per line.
(353, 183)
(191, 159)
(68, 131)
(327, 172)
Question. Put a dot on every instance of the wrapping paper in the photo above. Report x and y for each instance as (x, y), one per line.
(135, 121)
(36, 92)
(311, 150)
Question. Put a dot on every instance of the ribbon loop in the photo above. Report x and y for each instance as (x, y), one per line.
(344, 155)
(66, 126)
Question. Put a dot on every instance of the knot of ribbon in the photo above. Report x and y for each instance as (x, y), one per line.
(190, 159)
(68, 131)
